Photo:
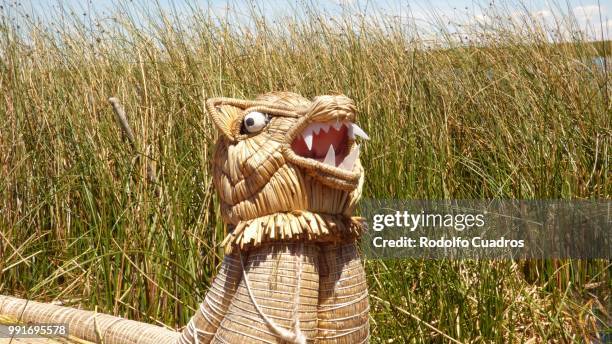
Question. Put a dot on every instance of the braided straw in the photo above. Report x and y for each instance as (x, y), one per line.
(87, 325)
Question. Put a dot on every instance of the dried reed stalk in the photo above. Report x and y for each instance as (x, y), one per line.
(128, 135)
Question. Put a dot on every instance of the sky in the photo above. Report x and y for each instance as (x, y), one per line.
(593, 16)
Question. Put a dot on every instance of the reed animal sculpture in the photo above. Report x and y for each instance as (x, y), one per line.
(288, 174)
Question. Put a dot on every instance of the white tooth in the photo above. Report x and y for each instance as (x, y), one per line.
(307, 131)
(308, 139)
(330, 157)
(315, 127)
(338, 125)
(325, 127)
(354, 130)
(350, 159)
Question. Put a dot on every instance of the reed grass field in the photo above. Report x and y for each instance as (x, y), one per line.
(505, 108)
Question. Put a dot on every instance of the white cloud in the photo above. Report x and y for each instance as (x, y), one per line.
(593, 20)
(588, 12)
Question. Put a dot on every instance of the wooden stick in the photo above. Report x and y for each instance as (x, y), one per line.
(126, 130)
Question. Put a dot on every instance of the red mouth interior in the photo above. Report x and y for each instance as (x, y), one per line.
(321, 142)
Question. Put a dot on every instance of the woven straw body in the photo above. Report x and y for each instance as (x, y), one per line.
(282, 281)
(343, 296)
(318, 289)
(213, 309)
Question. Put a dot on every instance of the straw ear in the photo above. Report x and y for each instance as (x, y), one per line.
(224, 113)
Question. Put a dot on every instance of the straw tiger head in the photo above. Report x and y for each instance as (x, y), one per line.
(282, 153)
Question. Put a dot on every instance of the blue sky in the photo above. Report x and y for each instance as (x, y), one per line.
(590, 14)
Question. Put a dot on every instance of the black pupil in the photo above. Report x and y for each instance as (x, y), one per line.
(250, 122)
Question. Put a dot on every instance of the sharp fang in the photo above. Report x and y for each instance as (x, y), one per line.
(325, 127)
(330, 158)
(350, 159)
(308, 139)
(315, 127)
(354, 130)
(338, 125)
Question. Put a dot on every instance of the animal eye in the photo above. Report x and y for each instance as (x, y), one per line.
(254, 122)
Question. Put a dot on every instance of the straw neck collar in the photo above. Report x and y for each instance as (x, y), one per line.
(294, 226)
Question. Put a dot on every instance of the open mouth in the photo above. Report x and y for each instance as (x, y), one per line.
(331, 143)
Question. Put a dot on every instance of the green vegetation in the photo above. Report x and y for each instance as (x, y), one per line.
(499, 112)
